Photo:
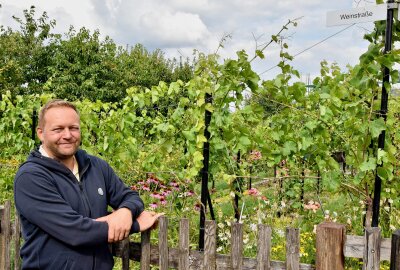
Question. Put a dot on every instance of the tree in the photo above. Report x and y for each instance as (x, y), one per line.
(79, 64)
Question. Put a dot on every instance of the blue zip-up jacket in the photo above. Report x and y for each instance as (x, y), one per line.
(57, 212)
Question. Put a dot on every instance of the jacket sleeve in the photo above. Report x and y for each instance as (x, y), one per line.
(37, 200)
(120, 195)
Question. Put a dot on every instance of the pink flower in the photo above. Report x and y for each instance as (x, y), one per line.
(146, 188)
(197, 207)
(157, 195)
(153, 205)
(255, 155)
(163, 201)
(253, 192)
(174, 184)
(166, 192)
(189, 193)
(152, 181)
(311, 205)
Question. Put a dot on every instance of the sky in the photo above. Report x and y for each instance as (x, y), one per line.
(177, 27)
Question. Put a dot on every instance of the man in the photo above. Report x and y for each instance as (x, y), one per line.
(62, 195)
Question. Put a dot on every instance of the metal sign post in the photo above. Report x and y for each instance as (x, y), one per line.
(366, 14)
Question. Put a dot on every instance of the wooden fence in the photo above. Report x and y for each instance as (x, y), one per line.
(332, 246)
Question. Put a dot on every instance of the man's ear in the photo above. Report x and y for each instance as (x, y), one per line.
(39, 132)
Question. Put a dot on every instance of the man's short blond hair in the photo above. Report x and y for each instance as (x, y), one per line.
(55, 103)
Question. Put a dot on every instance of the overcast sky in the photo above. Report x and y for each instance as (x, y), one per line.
(179, 26)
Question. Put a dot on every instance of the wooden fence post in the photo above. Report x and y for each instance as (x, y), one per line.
(330, 245)
(395, 251)
(2, 249)
(372, 250)
(264, 247)
(292, 249)
(145, 250)
(184, 244)
(125, 253)
(210, 247)
(237, 246)
(17, 241)
(5, 262)
(163, 242)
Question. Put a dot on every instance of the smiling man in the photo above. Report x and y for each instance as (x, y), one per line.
(62, 195)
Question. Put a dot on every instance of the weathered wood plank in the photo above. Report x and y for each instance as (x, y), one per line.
(237, 246)
(17, 241)
(125, 253)
(144, 251)
(354, 247)
(395, 252)
(264, 247)
(5, 262)
(292, 249)
(372, 248)
(210, 247)
(184, 244)
(329, 246)
(2, 248)
(163, 242)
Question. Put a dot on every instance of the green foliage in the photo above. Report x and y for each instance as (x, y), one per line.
(79, 64)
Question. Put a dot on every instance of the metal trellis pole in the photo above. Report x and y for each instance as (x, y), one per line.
(383, 112)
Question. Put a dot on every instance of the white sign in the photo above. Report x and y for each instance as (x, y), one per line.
(357, 15)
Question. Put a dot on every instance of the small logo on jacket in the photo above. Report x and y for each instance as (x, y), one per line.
(100, 191)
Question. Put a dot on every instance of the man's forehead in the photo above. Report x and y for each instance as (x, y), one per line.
(60, 113)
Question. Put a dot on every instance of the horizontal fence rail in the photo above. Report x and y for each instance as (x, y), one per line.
(332, 246)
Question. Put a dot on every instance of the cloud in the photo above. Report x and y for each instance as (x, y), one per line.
(173, 28)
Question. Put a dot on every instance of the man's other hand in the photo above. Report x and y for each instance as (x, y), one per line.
(148, 220)
(119, 224)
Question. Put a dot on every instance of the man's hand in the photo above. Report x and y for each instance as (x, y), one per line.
(119, 224)
(148, 220)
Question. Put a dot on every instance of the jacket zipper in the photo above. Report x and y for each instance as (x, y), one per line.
(86, 204)
(85, 199)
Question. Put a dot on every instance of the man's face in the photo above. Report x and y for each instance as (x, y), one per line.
(60, 134)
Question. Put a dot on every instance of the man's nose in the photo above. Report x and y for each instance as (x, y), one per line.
(67, 133)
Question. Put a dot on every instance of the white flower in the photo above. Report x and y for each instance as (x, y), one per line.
(280, 232)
